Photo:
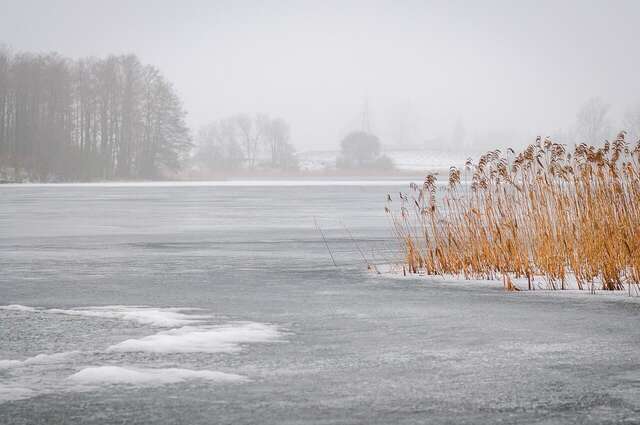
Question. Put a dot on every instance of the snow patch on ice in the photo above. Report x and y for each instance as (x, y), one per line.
(161, 317)
(201, 339)
(14, 392)
(112, 375)
(39, 359)
(187, 333)
(16, 307)
(7, 364)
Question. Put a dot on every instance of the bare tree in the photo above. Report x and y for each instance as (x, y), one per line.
(5, 106)
(592, 126)
(166, 137)
(88, 119)
(277, 136)
(225, 144)
(252, 132)
(218, 147)
(632, 122)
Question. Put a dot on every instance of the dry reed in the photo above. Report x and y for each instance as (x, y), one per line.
(542, 213)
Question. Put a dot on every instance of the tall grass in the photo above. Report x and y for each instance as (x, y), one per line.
(541, 213)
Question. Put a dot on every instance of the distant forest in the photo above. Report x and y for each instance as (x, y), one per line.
(88, 119)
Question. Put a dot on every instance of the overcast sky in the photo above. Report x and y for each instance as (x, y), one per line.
(521, 67)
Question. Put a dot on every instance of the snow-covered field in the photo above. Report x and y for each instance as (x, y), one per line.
(419, 160)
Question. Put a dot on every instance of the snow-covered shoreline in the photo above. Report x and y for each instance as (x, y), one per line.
(539, 286)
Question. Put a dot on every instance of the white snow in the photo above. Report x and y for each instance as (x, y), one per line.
(146, 376)
(421, 160)
(16, 307)
(161, 317)
(14, 392)
(410, 159)
(39, 359)
(7, 364)
(540, 286)
(188, 334)
(190, 339)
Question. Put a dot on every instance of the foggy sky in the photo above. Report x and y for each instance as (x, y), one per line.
(521, 68)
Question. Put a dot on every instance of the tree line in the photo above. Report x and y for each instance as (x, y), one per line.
(88, 119)
(245, 142)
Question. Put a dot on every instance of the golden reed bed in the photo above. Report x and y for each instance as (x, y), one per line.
(544, 212)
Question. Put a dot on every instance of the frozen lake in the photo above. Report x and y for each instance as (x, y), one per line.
(219, 303)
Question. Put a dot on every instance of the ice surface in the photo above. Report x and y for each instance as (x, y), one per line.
(147, 376)
(201, 339)
(363, 348)
(161, 317)
(225, 183)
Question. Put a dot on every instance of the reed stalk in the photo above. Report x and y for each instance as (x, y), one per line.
(540, 213)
